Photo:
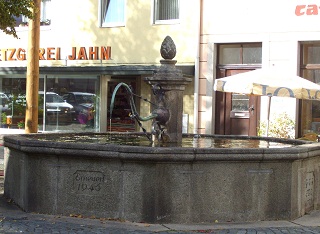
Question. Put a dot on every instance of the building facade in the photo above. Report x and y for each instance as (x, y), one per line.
(87, 47)
(102, 43)
(237, 37)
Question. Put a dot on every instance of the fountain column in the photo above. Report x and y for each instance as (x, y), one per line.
(173, 84)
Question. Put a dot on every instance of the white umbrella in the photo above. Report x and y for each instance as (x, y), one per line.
(269, 82)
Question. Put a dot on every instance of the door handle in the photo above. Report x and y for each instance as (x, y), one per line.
(251, 108)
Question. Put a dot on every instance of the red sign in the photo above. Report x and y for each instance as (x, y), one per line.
(51, 53)
(307, 10)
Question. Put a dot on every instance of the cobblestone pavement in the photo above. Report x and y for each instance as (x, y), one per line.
(45, 224)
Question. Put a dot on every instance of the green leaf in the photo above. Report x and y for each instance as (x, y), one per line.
(14, 8)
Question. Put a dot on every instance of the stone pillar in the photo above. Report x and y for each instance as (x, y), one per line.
(173, 83)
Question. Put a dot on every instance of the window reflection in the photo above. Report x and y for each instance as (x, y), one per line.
(56, 110)
(240, 53)
(240, 102)
(166, 10)
(112, 12)
(310, 110)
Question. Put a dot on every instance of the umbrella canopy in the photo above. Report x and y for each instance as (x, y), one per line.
(269, 82)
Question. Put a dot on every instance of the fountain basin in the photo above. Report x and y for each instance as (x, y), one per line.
(162, 184)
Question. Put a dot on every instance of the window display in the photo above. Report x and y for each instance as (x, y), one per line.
(70, 104)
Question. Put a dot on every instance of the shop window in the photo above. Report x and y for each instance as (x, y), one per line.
(112, 13)
(166, 11)
(70, 103)
(240, 53)
(45, 18)
(310, 70)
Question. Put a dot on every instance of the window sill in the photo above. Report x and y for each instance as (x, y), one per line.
(112, 25)
(26, 28)
(164, 22)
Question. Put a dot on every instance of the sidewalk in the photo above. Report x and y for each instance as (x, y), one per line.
(4, 131)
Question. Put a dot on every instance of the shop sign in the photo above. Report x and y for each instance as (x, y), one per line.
(311, 9)
(52, 53)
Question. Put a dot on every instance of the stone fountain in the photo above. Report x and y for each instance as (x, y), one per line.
(167, 84)
(89, 174)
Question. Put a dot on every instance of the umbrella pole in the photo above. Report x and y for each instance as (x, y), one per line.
(268, 114)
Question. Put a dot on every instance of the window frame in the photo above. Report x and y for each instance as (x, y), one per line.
(111, 24)
(44, 12)
(241, 47)
(43, 21)
(304, 68)
(168, 21)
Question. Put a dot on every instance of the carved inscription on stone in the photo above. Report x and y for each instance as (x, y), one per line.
(309, 190)
(88, 182)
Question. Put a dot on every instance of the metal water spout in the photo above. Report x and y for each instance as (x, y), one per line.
(159, 115)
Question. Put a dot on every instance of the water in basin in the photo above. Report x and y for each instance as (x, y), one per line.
(190, 141)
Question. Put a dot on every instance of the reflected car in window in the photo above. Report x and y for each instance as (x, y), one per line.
(4, 103)
(83, 104)
(57, 110)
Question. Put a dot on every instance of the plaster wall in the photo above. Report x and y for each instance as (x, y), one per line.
(76, 24)
(279, 26)
(138, 42)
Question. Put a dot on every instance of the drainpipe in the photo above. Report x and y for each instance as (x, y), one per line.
(196, 73)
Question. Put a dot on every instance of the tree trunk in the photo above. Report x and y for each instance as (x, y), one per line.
(31, 125)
